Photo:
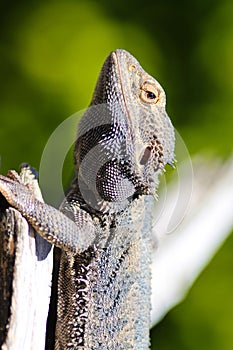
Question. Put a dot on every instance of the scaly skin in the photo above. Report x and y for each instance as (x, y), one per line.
(124, 140)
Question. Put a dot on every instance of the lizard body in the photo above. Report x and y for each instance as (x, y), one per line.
(124, 140)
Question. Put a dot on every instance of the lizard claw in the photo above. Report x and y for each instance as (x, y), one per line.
(12, 188)
(12, 174)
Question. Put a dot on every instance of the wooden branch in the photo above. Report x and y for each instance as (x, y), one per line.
(206, 225)
(25, 283)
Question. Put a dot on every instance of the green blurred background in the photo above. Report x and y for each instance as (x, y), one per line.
(50, 56)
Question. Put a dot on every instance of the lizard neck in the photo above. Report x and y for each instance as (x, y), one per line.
(86, 199)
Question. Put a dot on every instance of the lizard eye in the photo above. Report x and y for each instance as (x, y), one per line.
(149, 93)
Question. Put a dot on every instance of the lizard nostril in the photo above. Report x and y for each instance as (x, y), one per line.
(146, 155)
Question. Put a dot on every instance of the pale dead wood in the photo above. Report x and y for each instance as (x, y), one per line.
(25, 286)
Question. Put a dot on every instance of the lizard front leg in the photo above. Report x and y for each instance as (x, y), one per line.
(49, 222)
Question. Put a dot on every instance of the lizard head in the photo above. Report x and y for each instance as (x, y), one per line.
(125, 138)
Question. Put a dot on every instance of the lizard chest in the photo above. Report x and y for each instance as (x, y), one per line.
(104, 293)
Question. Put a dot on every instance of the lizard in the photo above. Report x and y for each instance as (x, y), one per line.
(124, 141)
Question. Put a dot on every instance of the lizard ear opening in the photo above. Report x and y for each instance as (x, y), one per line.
(146, 155)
